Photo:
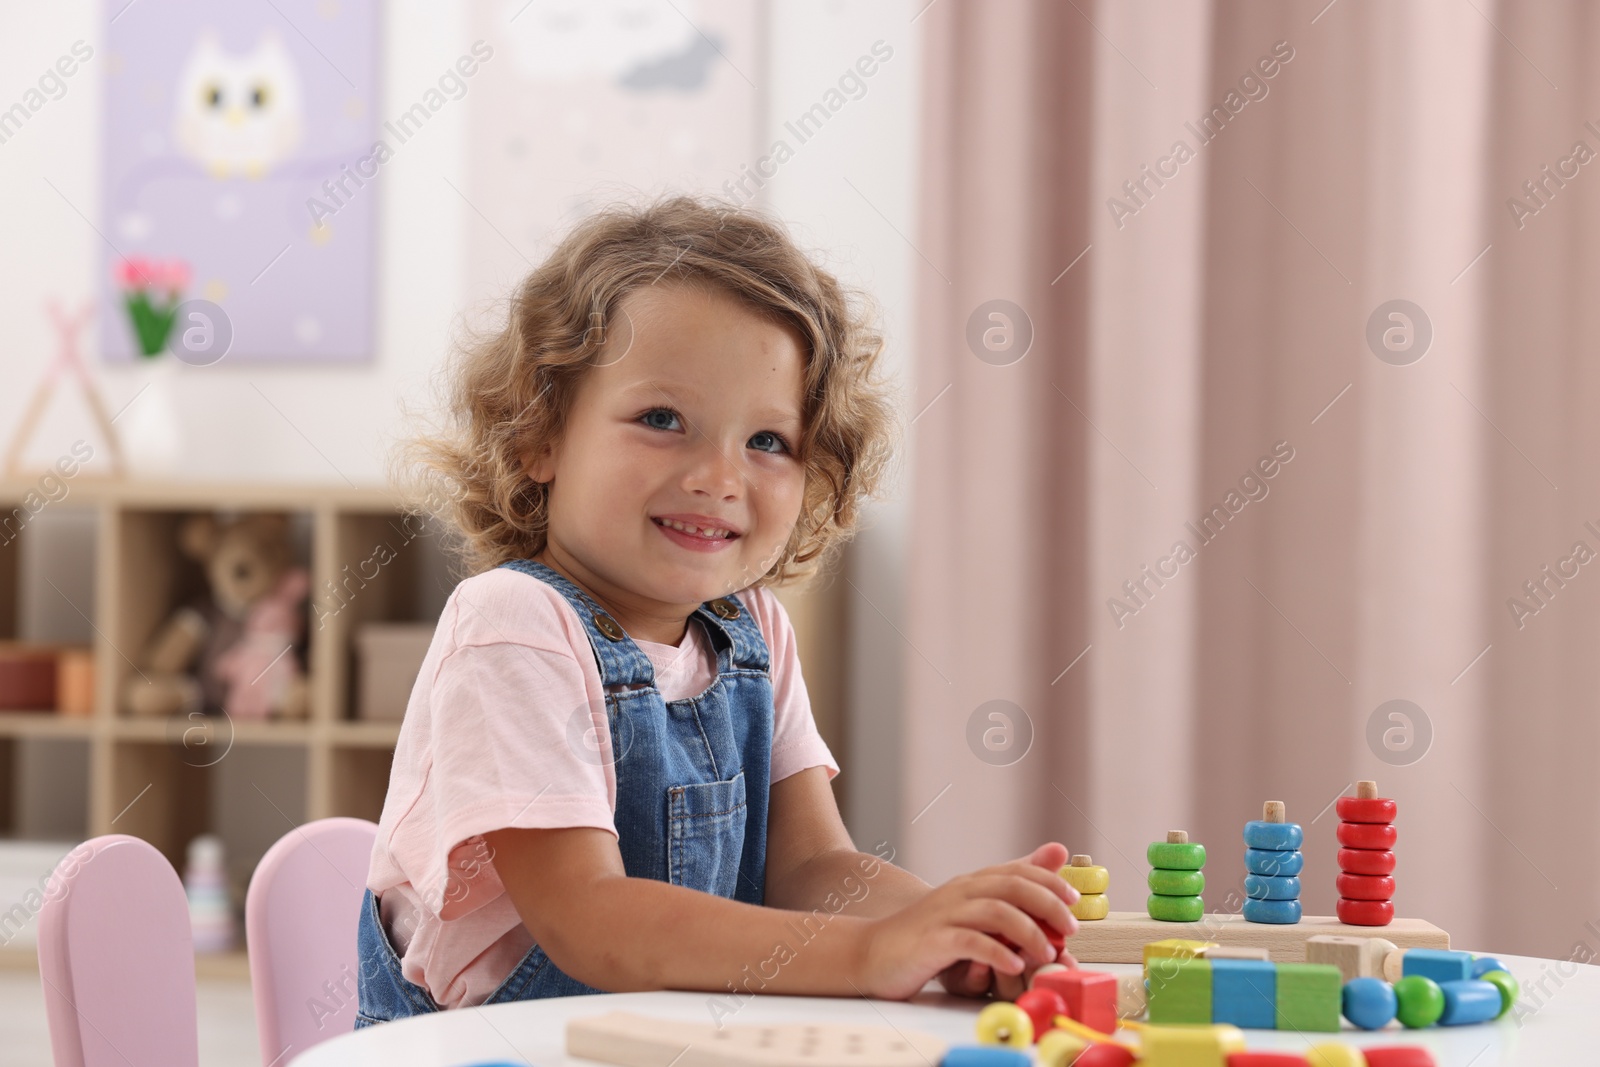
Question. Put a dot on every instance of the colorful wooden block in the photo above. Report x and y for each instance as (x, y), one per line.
(1082, 875)
(1366, 861)
(1442, 965)
(1188, 1046)
(1244, 993)
(1268, 861)
(1279, 912)
(984, 1056)
(1173, 948)
(1176, 883)
(1175, 909)
(1090, 996)
(1356, 957)
(1369, 1003)
(1308, 996)
(1271, 887)
(1180, 992)
(1471, 1000)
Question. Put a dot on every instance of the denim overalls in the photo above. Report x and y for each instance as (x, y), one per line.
(692, 780)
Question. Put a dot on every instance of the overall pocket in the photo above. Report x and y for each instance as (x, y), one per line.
(705, 824)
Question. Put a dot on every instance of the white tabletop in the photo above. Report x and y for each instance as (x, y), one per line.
(1560, 1024)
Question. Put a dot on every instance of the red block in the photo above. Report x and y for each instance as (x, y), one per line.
(1366, 861)
(1364, 912)
(1365, 835)
(1399, 1056)
(1365, 886)
(1266, 1059)
(1090, 996)
(1106, 1054)
(1360, 809)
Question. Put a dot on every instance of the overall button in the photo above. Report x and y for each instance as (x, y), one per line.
(608, 626)
(725, 608)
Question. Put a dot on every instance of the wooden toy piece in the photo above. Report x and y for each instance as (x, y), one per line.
(1058, 1049)
(1369, 1003)
(1399, 1056)
(1244, 993)
(1131, 996)
(1365, 886)
(1090, 996)
(1271, 912)
(1277, 862)
(1188, 1046)
(1176, 853)
(1356, 957)
(1364, 912)
(1233, 952)
(1271, 887)
(1004, 1023)
(1376, 836)
(1394, 966)
(1047, 969)
(1180, 992)
(1440, 965)
(1042, 1004)
(1175, 909)
(1272, 832)
(1082, 875)
(1170, 948)
(1421, 1001)
(1482, 965)
(1091, 907)
(1266, 1059)
(1308, 996)
(1176, 883)
(1334, 1055)
(984, 1056)
(1366, 805)
(1471, 1000)
(1366, 861)
(629, 1039)
(1507, 984)
(1105, 1054)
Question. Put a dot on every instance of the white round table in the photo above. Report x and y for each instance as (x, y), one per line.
(1559, 1024)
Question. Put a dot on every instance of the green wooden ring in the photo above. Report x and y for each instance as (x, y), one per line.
(1175, 909)
(1189, 856)
(1176, 883)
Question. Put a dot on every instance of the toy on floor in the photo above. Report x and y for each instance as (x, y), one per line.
(1273, 861)
(633, 1040)
(1176, 878)
(1366, 858)
(1091, 883)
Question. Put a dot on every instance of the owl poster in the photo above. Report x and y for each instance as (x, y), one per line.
(222, 121)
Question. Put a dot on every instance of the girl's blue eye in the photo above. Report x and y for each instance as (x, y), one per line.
(772, 437)
(764, 441)
(649, 418)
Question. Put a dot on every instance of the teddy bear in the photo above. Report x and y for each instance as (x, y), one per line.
(232, 653)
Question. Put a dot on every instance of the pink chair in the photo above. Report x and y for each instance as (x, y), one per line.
(300, 919)
(116, 956)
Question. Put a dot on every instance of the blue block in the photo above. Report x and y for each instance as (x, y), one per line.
(1469, 1001)
(1482, 965)
(1266, 887)
(984, 1056)
(1369, 1003)
(1276, 836)
(1244, 993)
(1283, 864)
(1440, 964)
(1279, 912)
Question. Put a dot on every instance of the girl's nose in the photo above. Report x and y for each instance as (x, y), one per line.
(714, 472)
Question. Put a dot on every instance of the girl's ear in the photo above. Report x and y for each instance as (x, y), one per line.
(541, 467)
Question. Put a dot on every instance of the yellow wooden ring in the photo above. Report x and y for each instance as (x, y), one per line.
(1091, 906)
(1086, 879)
(1003, 1023)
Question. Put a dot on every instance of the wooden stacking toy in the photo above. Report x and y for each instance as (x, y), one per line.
(1091, 883)
(1273, 860)
(1366, 858)
(1176, 878)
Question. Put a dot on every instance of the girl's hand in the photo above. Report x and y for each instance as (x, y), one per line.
(953, 931)
(972, 978)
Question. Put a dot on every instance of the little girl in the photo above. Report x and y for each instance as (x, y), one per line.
(608, 777)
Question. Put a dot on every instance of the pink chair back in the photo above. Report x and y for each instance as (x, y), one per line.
(300, 919)
(116, 957)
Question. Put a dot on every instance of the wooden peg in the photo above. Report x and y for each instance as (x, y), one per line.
(1083, 861)
(1273, 811)
(1367, 790)
(1177, 837)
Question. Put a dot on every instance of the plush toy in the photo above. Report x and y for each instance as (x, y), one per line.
(234, 652)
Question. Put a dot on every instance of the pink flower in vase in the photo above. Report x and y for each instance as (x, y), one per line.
(152, 290)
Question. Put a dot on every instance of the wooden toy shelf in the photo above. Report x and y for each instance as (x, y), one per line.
(143, 779)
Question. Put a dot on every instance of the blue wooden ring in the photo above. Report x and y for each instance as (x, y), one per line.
(1277, 912)
(1267, 887)
(1285, 863)
(1277, 836)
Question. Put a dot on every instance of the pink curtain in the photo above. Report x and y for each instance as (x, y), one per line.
(1213, 364)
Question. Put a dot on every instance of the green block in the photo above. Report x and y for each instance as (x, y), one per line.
(1308, 996)
(1180, 990)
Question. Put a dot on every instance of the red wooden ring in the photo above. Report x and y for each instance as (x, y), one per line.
(1365, 835)
(1365, 887)
(1364, 912)
(1366, 861)
(1365, 809)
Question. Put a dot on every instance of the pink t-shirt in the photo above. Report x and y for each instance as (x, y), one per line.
(502, 730)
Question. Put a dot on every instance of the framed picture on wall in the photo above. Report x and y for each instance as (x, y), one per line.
(225, 127)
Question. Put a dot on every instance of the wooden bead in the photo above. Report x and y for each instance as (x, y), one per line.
(1042, 1004)
(1273, 836)
(1364, 912)
(1482, 965)
(1003, 1023)
(1091, 907)
(1421, 1001)
(1365, 886)
(1105, 1054)
(1059, 1049)
(1279, 863)
(1471, 1000)
(1397, 1056)
(1355, 809)
(1366, 861)
(1266, 1059)
(1267, 887)
(1334, 1055)
(1176, 883)
(1175, 909)
(1369, 1003)
(1365, 835)
(1507, 984)
(1276, 912)
(1176, 856)
(1086, 878)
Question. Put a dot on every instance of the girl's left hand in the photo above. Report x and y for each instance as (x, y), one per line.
(969, 978)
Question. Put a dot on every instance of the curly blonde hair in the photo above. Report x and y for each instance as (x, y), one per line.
(509, 390)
